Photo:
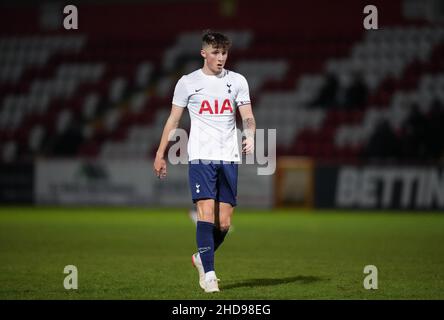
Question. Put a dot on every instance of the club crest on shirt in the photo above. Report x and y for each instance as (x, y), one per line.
(229, 87)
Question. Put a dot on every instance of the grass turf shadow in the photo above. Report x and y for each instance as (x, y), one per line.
(271, 282)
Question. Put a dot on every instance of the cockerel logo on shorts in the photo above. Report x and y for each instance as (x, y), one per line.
(197, 188)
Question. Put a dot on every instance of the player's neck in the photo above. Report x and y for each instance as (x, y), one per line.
(208, 72)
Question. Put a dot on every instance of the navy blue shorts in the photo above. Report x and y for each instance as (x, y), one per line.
(213, 180)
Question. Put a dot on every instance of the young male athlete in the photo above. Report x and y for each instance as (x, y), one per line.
(212, 94)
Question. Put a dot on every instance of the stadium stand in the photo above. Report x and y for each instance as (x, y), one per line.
(329, 91)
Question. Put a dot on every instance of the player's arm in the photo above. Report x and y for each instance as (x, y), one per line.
(249, 127)
(160, 167)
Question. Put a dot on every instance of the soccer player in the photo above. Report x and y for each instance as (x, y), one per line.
(212, 95)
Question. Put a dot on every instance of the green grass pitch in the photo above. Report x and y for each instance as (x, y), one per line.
(146, 254)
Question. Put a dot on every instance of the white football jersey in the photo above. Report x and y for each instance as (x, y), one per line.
(212, 101)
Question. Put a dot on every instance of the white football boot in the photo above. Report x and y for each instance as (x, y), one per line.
(197, 263)
(211, 285)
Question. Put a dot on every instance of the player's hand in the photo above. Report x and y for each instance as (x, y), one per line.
(160, 167)
(248, 145)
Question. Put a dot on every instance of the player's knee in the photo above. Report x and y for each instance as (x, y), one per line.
(225, 224)
(206, 216)
(224, 227)
(225, 218)
(205, 210)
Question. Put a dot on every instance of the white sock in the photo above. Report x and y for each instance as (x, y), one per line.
(210, 275)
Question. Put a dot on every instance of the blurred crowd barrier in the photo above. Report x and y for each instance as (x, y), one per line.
(297, 183)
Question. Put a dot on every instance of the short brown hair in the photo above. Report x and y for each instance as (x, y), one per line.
(215, 39)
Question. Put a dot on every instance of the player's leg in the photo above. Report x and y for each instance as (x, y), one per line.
(205, 244)
(226, 200)
(204, 233)
(222, 216)
(202, 179)
(205, 210)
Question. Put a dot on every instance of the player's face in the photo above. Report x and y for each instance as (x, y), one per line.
(215, 58)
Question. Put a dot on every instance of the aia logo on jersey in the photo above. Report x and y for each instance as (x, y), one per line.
(206, 107)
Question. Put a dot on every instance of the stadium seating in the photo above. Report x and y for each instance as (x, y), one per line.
(100, 94)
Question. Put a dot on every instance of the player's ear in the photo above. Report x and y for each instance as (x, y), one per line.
(203, 53)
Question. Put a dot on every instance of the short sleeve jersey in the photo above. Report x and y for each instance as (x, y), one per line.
(212, 101)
